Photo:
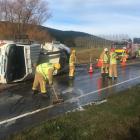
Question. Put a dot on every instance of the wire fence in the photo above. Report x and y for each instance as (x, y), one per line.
(100, 41)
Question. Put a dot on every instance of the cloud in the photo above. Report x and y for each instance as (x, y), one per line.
(102, 30)
(96, 16)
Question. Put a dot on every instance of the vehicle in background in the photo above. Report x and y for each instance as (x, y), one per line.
(124, 45)
(18, 59)
(136, 42)
(138, 53)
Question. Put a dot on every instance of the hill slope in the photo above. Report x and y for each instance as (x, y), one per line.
(41, 33)
(76, 39)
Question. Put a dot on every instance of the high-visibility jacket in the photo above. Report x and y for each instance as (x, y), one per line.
(44, 68)
(72, 60)
(124, 56)
(139, 52)
(113, 58)
(105, 58)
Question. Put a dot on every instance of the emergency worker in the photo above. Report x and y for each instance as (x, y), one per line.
(139, 52)
(113, 64)
(72, 61)
(105, 62)
(124, 56)
(44, 74)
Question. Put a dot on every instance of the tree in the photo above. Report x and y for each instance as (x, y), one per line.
(24, 12)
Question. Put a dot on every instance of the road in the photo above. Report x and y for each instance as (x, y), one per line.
(19, 109)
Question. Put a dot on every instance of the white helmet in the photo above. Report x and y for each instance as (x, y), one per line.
(124, 48)
(106, 49)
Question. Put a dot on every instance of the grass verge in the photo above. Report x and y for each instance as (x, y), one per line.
(117, 119)
(84, 54)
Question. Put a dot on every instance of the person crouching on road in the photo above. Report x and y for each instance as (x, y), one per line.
(105, 64)
(44, 74)
(113, 64)
(72, 61)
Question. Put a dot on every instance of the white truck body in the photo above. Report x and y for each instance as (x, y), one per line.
(55, 52)
(17, 61)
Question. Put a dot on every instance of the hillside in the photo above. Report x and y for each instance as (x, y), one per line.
(42, 34)
(77, 39)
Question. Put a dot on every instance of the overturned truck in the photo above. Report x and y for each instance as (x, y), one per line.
(18, 60)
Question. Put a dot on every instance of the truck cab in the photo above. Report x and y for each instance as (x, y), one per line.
(124, 46)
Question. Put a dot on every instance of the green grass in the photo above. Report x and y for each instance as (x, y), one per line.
(117, 119)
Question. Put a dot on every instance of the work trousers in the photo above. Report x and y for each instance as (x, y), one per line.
(39, 80)
(113, 70)
(71, 70)
(105, 68)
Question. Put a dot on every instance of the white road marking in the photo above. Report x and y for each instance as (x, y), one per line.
(107, 87)
(39, 110)
(24, 115)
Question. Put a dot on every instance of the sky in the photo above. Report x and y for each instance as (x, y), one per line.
(97, 17)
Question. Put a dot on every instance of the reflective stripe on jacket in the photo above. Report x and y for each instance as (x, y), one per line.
(124, 54)
(44, 68)
(72, 60)
(139, 52)
(105, 58)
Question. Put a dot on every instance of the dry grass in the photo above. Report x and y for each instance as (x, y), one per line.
(84, 54)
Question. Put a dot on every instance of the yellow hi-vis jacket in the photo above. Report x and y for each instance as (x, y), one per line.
(105, 58)
(72, 60)
(113, 58)
(44, 69)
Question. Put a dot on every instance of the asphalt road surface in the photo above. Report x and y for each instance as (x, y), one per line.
(19, 109)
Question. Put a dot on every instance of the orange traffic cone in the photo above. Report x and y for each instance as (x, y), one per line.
(90, 69)
(123, 62)
(99, 63)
